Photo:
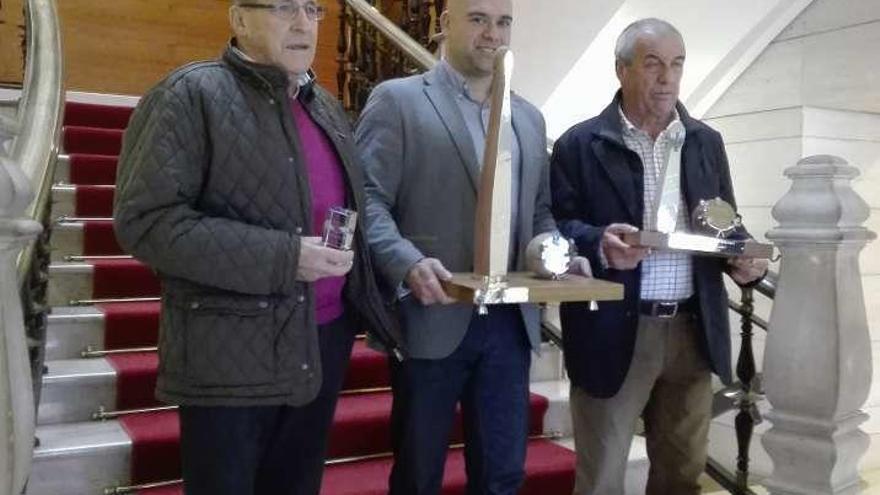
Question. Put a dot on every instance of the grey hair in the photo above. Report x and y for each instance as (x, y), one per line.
(625, 49)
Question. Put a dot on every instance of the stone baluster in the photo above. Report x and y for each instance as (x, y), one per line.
(16, 392)
(817, 362)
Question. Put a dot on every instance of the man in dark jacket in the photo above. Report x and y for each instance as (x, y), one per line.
(650, 354)
(227, 172)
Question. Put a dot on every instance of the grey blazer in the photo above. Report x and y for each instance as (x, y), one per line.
(421, 173)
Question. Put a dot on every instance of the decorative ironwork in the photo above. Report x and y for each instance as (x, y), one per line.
(748, 414)
(34, 304)
(367, 57)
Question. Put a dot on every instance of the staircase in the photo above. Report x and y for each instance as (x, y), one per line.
(100, 430)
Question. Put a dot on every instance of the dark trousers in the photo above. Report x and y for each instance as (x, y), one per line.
(266, 450)
(489, 374)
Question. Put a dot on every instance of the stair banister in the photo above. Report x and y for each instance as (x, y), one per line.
(25, 174)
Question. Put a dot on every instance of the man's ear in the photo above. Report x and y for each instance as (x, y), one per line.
(444, 22)
(237, 21)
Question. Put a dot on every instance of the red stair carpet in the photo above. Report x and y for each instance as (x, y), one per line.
(92, 137)
(130, 325)
(136, 374)
(91, 115)
(94, 201)
(92, 140)
(92, 169)
(123, 278)
(99, 239)
(360, 428)
(135, 379)
(548, 472)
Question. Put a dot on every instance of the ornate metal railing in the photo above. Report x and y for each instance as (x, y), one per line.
(748, 390)
(373, 48)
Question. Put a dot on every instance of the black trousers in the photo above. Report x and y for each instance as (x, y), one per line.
(266, 450)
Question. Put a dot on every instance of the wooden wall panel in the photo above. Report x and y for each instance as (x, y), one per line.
(11, 19)
(126, 46)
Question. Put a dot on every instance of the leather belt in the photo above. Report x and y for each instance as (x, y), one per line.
(667, 309)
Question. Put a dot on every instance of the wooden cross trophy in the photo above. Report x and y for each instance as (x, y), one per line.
(490, 283)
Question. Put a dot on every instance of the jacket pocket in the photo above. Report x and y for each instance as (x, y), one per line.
(230, 341)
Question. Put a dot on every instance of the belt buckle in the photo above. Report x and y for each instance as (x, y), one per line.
(665, 309)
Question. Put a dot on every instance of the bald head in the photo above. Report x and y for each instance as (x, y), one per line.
(461, 7)
(474, 30)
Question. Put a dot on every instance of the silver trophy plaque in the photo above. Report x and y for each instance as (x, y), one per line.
(549, 255)
(714, 220)
(715, 217)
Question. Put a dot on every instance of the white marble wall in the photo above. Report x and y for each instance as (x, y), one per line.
(722, 38)
(815, 90)
(548, 42)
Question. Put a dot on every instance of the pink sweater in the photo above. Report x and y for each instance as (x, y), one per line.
(327, 186)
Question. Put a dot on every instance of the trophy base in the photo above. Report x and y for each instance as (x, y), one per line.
(699, 244)
(525, 287)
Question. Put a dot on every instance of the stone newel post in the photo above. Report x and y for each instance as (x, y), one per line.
(817, 362)
(16, 392)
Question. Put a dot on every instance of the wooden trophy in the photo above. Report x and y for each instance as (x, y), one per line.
(491, 283)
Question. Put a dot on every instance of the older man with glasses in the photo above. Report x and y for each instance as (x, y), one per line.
(227, 174)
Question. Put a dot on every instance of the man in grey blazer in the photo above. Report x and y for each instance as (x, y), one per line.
(422, 140)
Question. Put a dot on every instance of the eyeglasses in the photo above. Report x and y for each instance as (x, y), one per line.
(289, 10)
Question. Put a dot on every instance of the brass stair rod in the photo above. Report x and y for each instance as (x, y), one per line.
(97, 257)
(103, 414)
(89, 353)
(63, 219)
(92, 302)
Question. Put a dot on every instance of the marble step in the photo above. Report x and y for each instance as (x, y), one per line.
(70, 242)
(73, 329)
(69, 282)
(73, 283)
(79, 168)
(64, 201)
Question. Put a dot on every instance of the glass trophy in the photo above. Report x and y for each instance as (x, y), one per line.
(339, 228)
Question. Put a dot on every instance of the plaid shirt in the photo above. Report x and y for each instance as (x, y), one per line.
(666, 276)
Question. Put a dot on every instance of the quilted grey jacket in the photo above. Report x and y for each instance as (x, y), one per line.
(212, 193)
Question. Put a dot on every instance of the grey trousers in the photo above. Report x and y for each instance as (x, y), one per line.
(669, 385)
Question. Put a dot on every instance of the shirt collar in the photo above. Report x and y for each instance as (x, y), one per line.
(301, 80)
(455, 81)
(238, 51)
(630, 129)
